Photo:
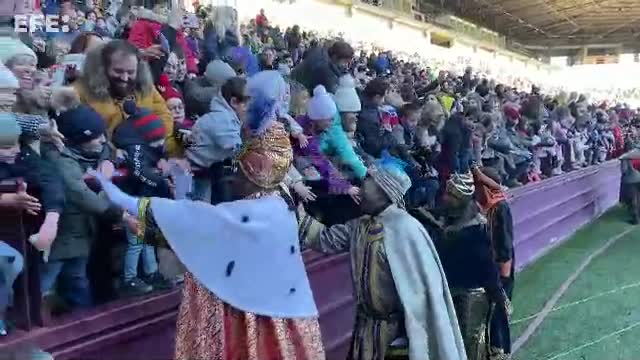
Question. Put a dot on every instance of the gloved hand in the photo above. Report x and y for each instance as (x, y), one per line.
(117, 196)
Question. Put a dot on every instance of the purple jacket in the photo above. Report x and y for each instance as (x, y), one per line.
(337, 184)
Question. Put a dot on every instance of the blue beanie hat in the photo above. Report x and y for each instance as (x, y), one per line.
(81, 125)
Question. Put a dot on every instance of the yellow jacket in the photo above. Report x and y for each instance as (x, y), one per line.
(113, 113)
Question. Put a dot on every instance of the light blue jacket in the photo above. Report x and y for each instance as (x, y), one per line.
(334, 142)
(216, 135)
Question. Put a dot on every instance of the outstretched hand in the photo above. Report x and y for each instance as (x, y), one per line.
(153, 52)
(305, 192)
(303, 140)
(118, 197)
(354, 192)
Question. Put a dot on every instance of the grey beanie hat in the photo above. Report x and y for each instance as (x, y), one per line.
(218, 72)
(9, 129)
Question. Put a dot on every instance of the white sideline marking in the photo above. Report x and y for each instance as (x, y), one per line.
(578, 302)
(617, 332)
(550, 304)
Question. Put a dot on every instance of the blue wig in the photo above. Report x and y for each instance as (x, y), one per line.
(267, 90)
(260, 113)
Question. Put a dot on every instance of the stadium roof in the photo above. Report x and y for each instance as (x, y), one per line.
(555, 24)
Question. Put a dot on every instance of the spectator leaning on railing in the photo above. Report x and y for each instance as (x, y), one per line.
(27, 163)
(141, 136)
(83, 129)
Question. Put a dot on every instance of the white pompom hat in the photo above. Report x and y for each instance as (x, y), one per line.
(346, 96)
(321, 105)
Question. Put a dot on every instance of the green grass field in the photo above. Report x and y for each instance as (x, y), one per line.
(598, 317)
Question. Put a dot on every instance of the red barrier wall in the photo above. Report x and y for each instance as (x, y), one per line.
(545, 214)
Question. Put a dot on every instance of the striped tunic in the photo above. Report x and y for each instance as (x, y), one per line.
(379, 318)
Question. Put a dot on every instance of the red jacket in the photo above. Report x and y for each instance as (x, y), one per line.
(261, 20)
(618, 146)
(144, 32)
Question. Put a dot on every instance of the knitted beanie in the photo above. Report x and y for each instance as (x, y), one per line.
(32, 126)
(81, 125)
(9, 129)
(218, 72)
(10, 47)
(346, 97)
(146, 123)
(321, 105)
(7, 79)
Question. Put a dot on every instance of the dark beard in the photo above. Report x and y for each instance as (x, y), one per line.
(121, 92)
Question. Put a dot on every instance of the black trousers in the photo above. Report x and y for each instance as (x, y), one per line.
(500, 332)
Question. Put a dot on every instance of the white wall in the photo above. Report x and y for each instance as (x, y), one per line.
(356, 27)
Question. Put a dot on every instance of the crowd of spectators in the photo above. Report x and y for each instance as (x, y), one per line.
(155, 97)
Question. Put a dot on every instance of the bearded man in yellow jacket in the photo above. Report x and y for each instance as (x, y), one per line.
(116, 72)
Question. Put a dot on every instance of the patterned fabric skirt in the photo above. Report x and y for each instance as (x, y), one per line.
(371, 338)
(209, 329)
(474, 312)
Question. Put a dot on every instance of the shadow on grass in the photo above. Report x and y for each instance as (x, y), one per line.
(538, 281)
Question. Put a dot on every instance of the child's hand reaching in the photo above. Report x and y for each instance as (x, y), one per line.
(354, 192)
(303, 141)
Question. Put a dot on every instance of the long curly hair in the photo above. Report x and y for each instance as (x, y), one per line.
(95, 80)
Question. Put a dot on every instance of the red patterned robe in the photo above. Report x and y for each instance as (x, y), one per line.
(209, 329)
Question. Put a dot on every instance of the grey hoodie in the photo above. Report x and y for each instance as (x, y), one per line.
(216, 135)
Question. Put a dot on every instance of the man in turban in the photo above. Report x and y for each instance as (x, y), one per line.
(464, 245)
(246, 294)
(400, 287)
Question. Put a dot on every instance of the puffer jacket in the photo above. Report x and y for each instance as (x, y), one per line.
(77, 226)
(93, 91)
(316, 69)
(145, 179)
(216, 135)
(312, 156)
(374, 139)
(39, 173)
(336, 144)
(146, 29)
